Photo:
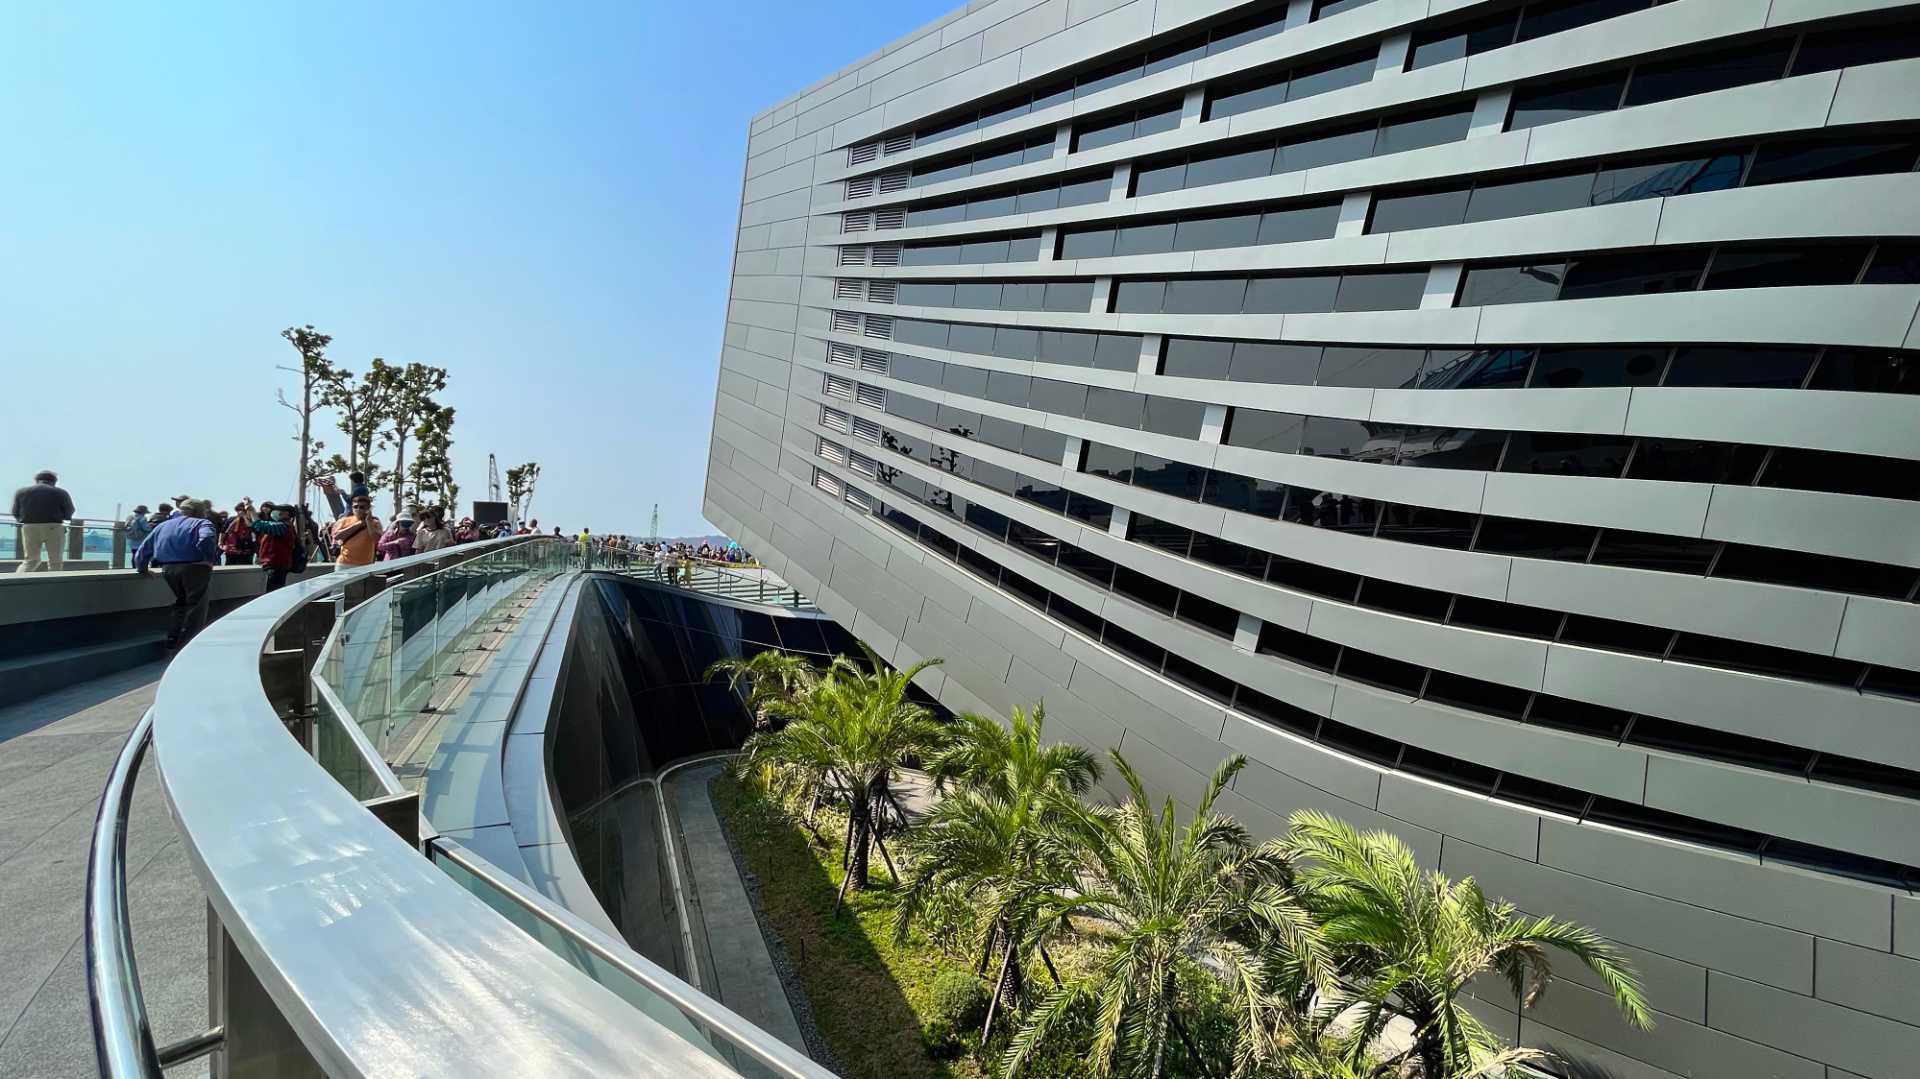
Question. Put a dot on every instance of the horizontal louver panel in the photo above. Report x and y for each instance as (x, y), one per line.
(881, 291)
(838, 387)
(889, 182)
(832, 451)
(899, 144)
(860, 187)
(874, 361)
(860, 221)
(883, 254)
(846, 322)
(892, 217)
(842, 355)
(866, 429)
(862, 464)
(826, 482)
(834, 420)
(871, 396)
(863, 153)
(856, 255)
(859, 501)
(880, 326)
(849, 290)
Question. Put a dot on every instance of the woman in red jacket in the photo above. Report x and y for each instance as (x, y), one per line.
(276, 540)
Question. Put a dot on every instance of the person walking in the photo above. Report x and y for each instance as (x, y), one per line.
(185, 548)
(237, 540)
(43, 508)
(586, 548)
(276, 534)
(354, 535)
(398, 540)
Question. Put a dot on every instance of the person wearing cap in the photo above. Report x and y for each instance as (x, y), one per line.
(398, 540)
(138, 525)
(432, 533)
(185, 547)
(354, 535)
(42, 509)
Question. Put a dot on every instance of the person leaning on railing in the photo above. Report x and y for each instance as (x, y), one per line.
(185, 547)
(42, 508)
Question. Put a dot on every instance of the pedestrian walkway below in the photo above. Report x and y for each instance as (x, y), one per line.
(737, 971)
(55, 754)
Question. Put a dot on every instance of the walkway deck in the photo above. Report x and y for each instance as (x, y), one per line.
(55, 753)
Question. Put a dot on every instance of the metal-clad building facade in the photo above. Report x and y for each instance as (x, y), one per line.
(1499, 422)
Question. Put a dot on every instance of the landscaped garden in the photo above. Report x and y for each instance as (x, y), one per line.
(1023, 924)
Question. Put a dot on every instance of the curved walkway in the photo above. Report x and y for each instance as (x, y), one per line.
(55, 753)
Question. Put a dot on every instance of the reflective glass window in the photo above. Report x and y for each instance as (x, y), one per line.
(972, 337)
(1058, 398)
(1340, 512)
(1228, 555)
(1176, 478)
(1043, 445)
(1579, 717)
(1633, 273)
(1629, 182)
(1329, 148)
(1243, 31)
(1205, 295)
(1074, 615)
(1015, 343)
(1684, 77)
(995, 160)
(1426, 129)
(913, 331)
(1133, 646)
(1165, 57)
(1477, 369)
(1450, 447)
(975, 294)
(986, 206)
(1515, 618)
(1121, 408)
(1153, 238)
(1773, 566)
(1867, 371)
(1045, 197)
(1438, 46)
(1327, 436)
(1192, 357)
(1117, 352)
(1894, 264)
(1381, 291)
(1287, 295)
(930, 255)
(1244, 494)
(1299, 223)
(937, 215)
(1540, 20)
(1786, 162)
(1257, 429)
(1028, 295)
(984, 251)
(1100, 133)
(1560, 454)
(1766, 267)
(1041, 493)
(1106, 78)
(1262, 361)
(1033, 541)
(1139, 297)
(924, 175)
(1470, 693)
(913, 369)
(1534, 106)
(1174, 416)
(971, 381)
(958, 421)
(1315, 652)
(1372, 368)
(1248, 96)
(1419, 209)
(1535, 539)
(1324, 8)
(1086, 564)
(1730, 365)
(1511, 284)
(1039, 149)
(1336, 73)
(1007, 388)
(1215, 618)
(1203, 233)
(1160, 179)
(1162, 535)
(1110, 462)
(1005, 434)
(925, 294)
(1520, 198)
(1068, 296)
(1426, 526)
(1566, 368)
(1615, 636)
(1312, 577)
(1693, 461)
(1382, 671)
(1410, 600)
(1642, 550)
(1072, 347)
(1085, 242)
(1833, 49)
(1086, 192)
(1222, 168)
(1090, 510)
(1843, 473)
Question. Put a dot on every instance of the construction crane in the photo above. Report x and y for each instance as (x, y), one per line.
(653, 526)
(493, 479)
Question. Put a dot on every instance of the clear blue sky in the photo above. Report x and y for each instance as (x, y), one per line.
(541, 198)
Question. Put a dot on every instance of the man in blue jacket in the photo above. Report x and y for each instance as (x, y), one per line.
(185, 548)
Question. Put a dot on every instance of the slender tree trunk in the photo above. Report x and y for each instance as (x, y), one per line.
(885, 857)
(999, 984)
(986, 953)
(306, 432)
(1048, 960)
(862, 851)
(1193, 1050)
(399, 462)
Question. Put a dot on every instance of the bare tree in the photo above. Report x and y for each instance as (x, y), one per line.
(315, 371)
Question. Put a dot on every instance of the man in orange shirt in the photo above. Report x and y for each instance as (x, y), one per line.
(354, 534)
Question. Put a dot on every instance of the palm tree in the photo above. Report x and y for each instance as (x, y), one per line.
(1407, 943)
(1175, 908)
(981, 850)
(775, 681)
(845, 739)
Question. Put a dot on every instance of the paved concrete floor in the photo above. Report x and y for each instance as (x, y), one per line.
(55, 752)
(740, 973)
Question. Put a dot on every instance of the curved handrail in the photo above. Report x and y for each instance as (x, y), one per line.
(380, 963)
(122, 1037)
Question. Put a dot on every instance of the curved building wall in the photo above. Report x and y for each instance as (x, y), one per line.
(1500, 422)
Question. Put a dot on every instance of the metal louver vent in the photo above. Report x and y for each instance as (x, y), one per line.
(859, 501)
(874, 362)
(899, 144)
(833, 451)
(871, 396)
(856, 255)
(866, 429)
(842, 355)
(880, 326)
(881, 291)
(863, 153)
(889, 182)
(883, 254)
(825, 482)
(839, 387)
(893, 217)
(834, 420)
(846, 322)
(849, 290)
(860, 187)
(859, 221)
(862, 464)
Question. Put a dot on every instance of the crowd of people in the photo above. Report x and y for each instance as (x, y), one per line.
(186, 537)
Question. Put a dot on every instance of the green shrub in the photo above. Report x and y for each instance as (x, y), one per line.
(956, 1004)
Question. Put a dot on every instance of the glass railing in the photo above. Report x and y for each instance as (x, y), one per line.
(97, 543)
(723, 579)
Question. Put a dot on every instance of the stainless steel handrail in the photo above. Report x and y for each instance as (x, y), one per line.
(777, 1055)
(122, 1037)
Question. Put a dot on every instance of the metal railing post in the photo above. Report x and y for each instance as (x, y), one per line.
(119, 545)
